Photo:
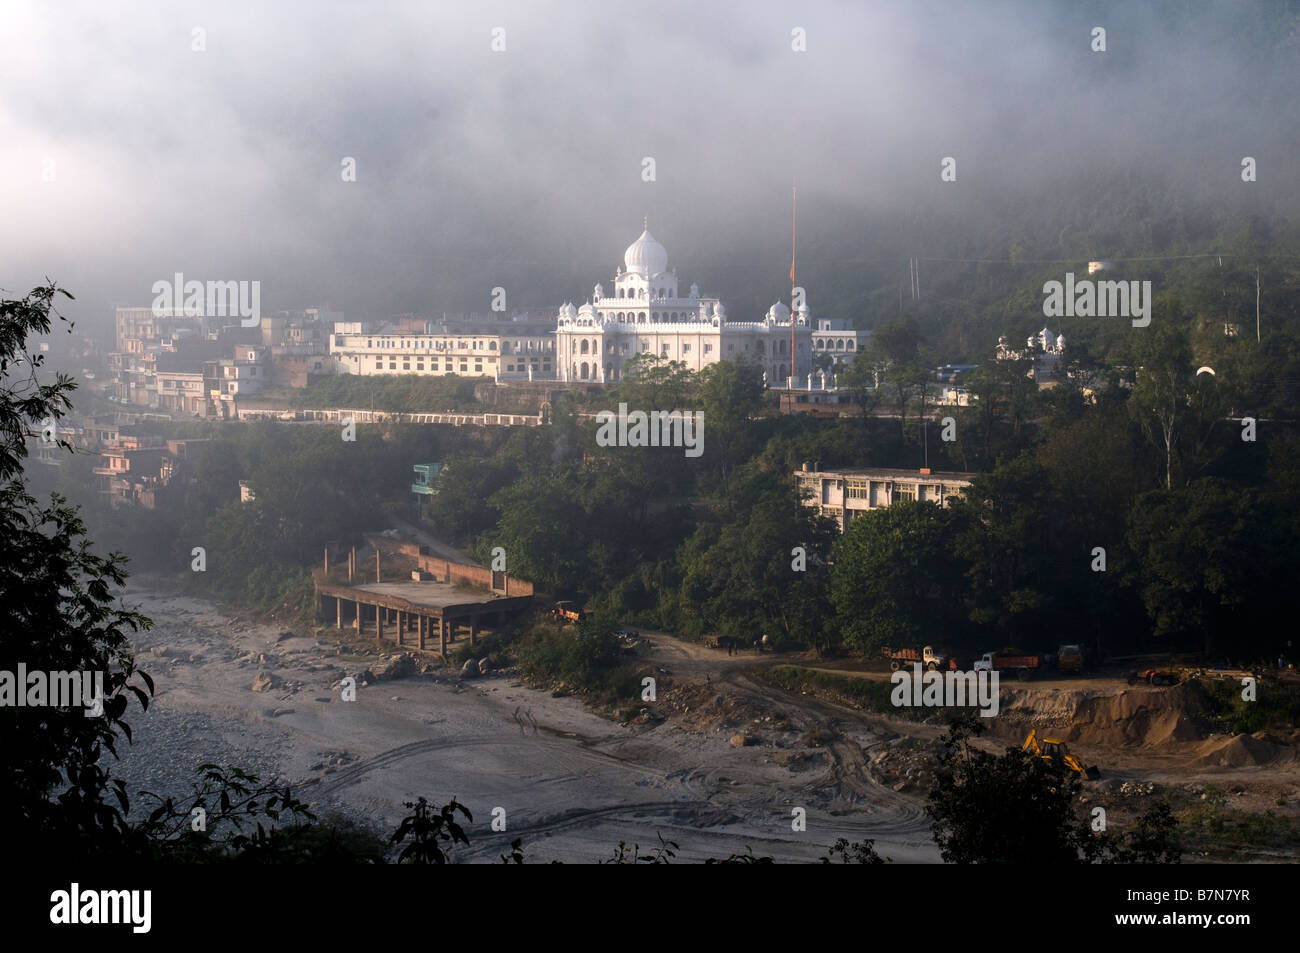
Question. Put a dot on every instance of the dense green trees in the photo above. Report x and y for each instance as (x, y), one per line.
(897, 580)
(758, 570)
(1213, 564)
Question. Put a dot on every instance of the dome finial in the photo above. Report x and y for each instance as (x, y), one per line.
(645, 223)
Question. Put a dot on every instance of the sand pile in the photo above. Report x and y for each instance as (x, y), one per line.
(1242, 751)
(1131, 718)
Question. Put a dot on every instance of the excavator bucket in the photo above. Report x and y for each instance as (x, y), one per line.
(1091, 772)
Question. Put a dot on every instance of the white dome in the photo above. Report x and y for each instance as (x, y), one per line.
(779, 313)
(645, 256)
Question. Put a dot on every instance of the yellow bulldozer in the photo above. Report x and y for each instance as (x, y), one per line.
(1054, 749)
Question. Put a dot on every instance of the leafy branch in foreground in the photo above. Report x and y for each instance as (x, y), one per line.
(428, 829)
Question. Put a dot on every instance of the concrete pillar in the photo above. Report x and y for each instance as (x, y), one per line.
(327, 560)
(379, 623)
(352, 563)
(419, 629)
(356, 618)
(338, 612)
(399, 628)
(442, 635)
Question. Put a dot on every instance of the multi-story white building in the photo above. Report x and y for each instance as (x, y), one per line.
(646, 313)
(843, 494)
(181, 391)
(505, 351)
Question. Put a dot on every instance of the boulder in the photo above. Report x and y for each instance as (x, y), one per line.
(739, 741)
(264, 681)
(469, 669)
(483, 666)
(393, 666)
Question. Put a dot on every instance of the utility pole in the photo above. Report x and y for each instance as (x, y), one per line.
(1257, 304)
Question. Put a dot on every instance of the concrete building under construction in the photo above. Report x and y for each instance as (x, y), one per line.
(414, 599)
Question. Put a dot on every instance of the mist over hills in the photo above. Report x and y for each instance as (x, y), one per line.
(522, 168)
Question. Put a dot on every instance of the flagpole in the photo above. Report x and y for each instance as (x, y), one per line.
(794, 245)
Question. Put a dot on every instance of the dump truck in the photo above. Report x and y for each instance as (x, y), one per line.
(930, 660)
(567, 612)
(1054, 749)
(1022, 666)
(1069, 658)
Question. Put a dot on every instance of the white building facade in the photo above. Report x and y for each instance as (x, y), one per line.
(521, 353)
(844, 494)
(837, 339)
(645, 312)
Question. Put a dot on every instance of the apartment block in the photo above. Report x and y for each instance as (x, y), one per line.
(843, 494)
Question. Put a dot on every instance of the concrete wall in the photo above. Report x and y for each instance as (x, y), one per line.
(446, 570)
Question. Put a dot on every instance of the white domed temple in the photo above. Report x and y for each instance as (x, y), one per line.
(646, 312)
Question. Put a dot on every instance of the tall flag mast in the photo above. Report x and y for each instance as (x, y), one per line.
(794, 234)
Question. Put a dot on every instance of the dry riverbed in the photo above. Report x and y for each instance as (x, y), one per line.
(571, 783)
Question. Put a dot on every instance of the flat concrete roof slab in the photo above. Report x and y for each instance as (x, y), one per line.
(432, 595)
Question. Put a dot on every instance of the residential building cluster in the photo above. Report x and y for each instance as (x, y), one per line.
(186, 363)
(134, 465)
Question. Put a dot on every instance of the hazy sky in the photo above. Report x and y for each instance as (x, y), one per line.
(523, 168)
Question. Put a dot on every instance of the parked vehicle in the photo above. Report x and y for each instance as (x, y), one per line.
(1156, 676)
(1022, 666)
(630, 640)
(930, 660)
(566, 611)
(1069, 658)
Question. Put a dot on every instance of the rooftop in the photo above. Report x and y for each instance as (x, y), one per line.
(889, 473)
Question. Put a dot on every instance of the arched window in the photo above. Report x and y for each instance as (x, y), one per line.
(850, 345)
(584, 348)
(492, 345)
(642, 317)
(584, 370)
